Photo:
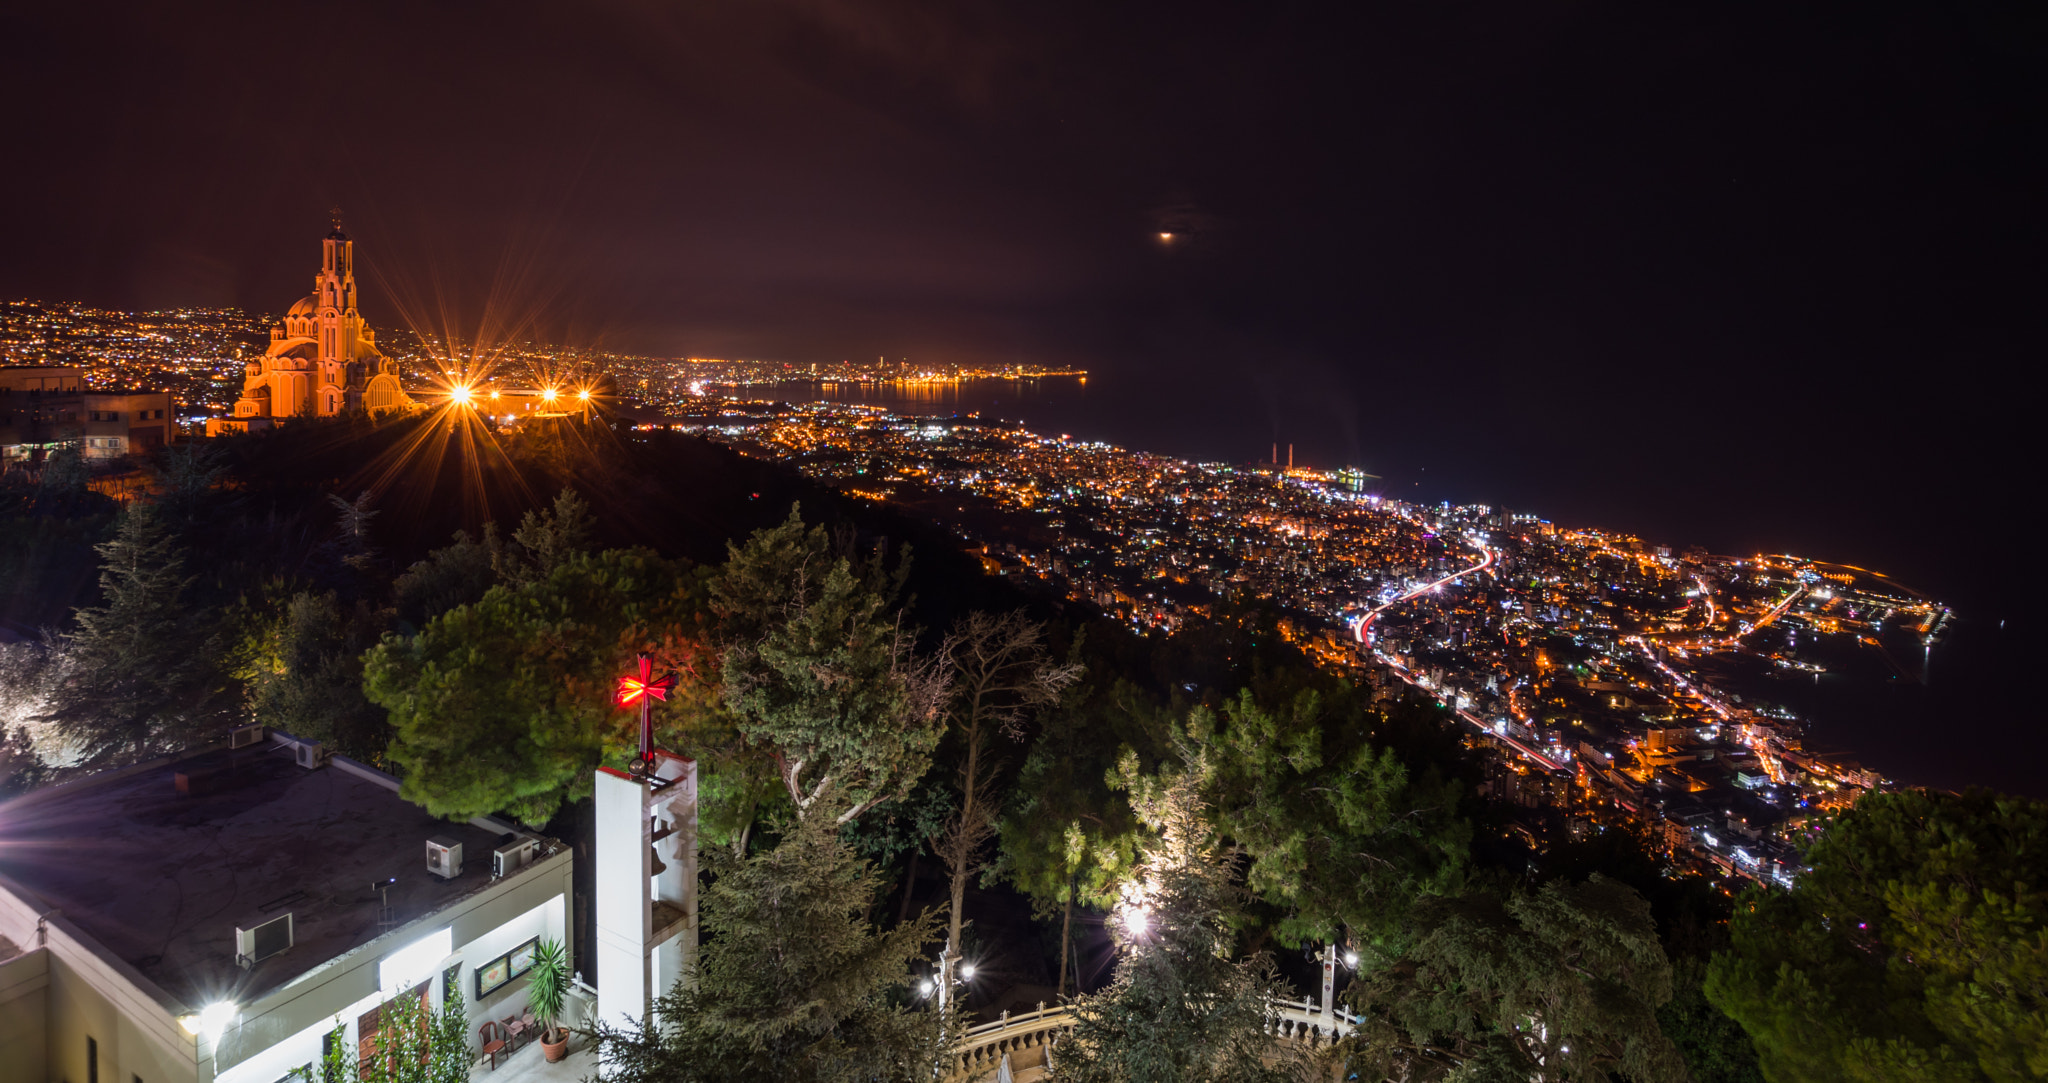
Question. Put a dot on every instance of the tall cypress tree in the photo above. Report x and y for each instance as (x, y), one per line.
(144, 673)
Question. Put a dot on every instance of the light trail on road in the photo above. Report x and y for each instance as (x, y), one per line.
(1364, 629)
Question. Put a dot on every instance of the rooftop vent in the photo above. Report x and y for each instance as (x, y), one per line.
(444, 857)
(244, 736)
(311, 754)
(252, 946)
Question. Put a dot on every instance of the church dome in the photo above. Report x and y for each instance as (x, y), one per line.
(305, 306)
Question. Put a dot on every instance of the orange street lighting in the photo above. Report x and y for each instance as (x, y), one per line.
(547, 395)
(584, 395)
(459, 394)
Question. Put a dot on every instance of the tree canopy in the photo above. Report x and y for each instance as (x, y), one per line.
(1340, 837)
(145, 672)
(506, 705)
(1558, 983)
(1915, 947)
(1180, 1009)
(792, 984)
(821, 672)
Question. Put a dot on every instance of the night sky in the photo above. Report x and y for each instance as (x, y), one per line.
(1755, 276)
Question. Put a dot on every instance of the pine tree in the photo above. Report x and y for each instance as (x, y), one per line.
(456, 574)
(313, 684)
(545, 539)
(1179, 1010)
(1561, 983)
(820, 674)
(792, 984)
(145, 672)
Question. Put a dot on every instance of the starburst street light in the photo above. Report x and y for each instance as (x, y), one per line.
(459, 394)
(547, 394)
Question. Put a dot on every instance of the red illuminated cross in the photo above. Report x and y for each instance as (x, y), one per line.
(643, 691)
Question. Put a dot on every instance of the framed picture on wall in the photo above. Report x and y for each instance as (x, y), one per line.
(522, 957)
(491, 976)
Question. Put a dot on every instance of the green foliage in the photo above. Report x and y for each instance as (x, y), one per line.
(792, 983)
(1067, 835)
(457, 574)
(1559, 983)
(546, 539)
(820, 674)
(65, 473)
(1179, 1010)
(1916, 947)
(1067, 838)
(1714, 1046)
(312, 684)
(21, 768)
(506, 705)
(145, 673)
(548, 986)
(1338, 833)
(414, 1043)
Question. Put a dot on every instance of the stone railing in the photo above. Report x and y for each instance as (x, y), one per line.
(1025, 1038)
(1029, 1038)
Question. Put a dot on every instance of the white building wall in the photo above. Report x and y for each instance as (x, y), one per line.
(24, 1015)
(285, 1030)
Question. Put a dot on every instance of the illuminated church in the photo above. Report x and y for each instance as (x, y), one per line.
(323, 359)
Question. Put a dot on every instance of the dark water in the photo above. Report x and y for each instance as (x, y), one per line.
(1975, 721)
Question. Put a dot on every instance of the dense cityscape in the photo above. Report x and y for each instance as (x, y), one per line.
(1613, 681)
(908, 542)
(1585, 663)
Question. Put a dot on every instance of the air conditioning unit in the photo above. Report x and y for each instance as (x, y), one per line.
(244, 736)
(311, 754)
(252, 946)
(444, 857)
(512, 856)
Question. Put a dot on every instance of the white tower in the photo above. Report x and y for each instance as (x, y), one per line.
(645, 884)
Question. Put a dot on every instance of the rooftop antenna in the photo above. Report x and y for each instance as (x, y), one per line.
(387, 918)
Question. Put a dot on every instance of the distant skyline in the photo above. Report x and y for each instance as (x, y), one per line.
(1754, 273)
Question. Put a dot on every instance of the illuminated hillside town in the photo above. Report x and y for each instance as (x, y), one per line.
(1585, 665)
(1597, 675)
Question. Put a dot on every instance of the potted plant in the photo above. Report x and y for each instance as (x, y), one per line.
(546, 991)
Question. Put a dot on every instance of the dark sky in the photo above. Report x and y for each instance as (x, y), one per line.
(1751, 274)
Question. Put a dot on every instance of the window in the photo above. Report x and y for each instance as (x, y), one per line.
(92, 1060)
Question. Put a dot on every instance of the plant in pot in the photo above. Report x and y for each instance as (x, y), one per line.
(546, 992)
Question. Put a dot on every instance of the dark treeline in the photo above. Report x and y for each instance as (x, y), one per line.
(927, 791)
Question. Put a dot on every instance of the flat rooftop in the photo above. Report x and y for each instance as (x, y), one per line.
(162, 879)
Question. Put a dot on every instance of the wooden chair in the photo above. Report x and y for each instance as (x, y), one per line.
(495, 1042)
